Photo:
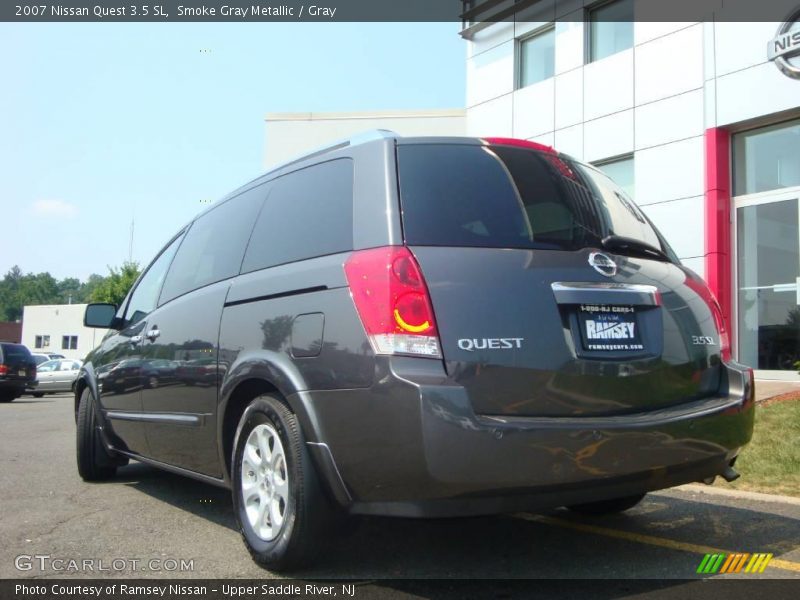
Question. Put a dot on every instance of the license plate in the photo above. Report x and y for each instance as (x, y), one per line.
(21, 373)
(609, 328)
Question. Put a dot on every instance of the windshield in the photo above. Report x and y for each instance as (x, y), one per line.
(507, 197)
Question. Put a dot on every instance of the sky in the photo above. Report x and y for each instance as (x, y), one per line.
(102, 123)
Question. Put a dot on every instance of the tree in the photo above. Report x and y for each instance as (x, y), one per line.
(70, 290)
(115, 287)
(90, 286)
(8, 294)
(17, 290)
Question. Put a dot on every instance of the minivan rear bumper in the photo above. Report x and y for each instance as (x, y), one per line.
(412, 446)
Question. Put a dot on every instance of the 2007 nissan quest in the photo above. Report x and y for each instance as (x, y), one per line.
(418, 327)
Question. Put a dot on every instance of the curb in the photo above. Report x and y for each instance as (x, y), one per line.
(698, 488)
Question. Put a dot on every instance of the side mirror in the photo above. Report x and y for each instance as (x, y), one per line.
(100, 315)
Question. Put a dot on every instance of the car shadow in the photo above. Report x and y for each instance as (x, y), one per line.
(549, 544)
(201, 499)
(28, 401)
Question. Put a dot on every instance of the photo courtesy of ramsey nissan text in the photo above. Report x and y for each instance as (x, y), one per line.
(426, 299)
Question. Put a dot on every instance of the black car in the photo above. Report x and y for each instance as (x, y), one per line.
(417, 327)
(17, 371)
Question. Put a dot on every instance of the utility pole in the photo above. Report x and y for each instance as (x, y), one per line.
(130, 243)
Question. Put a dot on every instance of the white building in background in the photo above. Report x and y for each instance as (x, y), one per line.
(290, 135)
(693, 119)
(59, 328)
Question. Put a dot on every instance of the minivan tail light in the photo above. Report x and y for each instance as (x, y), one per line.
(392, 301)
(708, 297)
(724, 337)
(3, 370)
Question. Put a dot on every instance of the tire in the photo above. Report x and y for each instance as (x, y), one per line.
(608, 507)
(7, 396)
(287, 540)
(38, 394)
(94, 461)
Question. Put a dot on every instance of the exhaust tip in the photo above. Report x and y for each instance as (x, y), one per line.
(730, 474)
(710, 480)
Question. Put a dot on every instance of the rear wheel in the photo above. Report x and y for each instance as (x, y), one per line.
(608, 507)
(280, 508)
(7, 396)
(95, 463)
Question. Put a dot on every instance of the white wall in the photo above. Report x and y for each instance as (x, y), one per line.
(290, 135)
(654, 100)
(57, 320)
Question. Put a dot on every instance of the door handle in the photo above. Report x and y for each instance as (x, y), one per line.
(153, 334)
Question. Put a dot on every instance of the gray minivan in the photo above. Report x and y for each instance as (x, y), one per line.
(416, 327)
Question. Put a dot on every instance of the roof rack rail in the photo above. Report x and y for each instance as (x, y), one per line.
(369, 135)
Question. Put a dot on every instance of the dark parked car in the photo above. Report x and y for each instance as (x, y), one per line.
(17, 371)
(419, 327)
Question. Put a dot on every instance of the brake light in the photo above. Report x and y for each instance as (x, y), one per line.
(708, 297)
(392, 301)
(3, 370)
(552, 155)
(505, 141)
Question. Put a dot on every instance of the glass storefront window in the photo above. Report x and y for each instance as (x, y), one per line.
(767, 158)
(768, 241)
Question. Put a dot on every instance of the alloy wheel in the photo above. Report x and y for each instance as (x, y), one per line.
(265, 481)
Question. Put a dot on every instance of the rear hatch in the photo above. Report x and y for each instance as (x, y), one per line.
(16, 363)
(553, 293)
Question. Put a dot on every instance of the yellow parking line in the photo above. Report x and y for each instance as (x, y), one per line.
(642, 538)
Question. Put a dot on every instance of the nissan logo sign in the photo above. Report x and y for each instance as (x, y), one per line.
(785, 45)
(603, 264)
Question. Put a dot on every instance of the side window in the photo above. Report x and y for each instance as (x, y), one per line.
(144, 296)
(308, 213)
(213, 248)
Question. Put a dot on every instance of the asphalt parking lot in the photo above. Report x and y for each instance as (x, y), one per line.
(146, 514)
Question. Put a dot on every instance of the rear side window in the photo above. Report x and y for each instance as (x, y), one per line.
(213, 247)
(308, 213)
(506, 197)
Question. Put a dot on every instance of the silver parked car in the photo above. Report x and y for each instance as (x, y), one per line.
(56, 376)
(43, 357)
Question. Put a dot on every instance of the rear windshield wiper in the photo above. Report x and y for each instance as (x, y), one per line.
(619, 242)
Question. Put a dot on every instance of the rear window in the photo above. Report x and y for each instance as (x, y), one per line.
(12, 353)
(506, 197)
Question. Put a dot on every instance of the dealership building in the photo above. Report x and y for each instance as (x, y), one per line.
(694, 120)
